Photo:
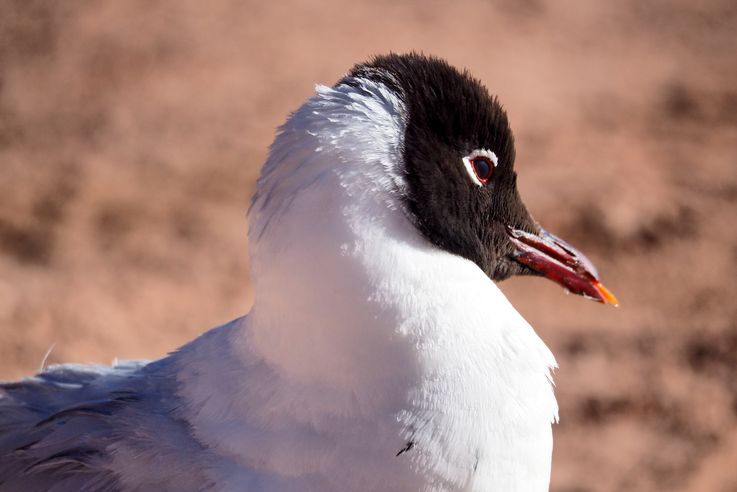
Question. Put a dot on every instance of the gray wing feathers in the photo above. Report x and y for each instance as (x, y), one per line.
(73, 428)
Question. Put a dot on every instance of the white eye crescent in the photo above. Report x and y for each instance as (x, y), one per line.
(480, 165)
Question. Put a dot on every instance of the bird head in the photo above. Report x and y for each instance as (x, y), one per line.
(461, 187)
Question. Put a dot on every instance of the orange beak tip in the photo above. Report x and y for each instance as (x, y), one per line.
(606, 296)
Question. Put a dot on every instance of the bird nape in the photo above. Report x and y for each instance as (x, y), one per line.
(379, 354)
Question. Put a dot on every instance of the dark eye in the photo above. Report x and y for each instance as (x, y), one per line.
(483, 168)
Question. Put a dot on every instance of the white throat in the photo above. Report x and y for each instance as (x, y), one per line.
(383, 336)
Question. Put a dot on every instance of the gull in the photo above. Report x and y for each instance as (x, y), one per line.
(379, 355)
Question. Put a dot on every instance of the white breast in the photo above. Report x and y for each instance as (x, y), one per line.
(364, 336)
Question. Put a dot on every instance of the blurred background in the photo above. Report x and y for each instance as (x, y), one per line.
(131, 134)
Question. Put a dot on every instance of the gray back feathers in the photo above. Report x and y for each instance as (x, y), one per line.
(71, 427)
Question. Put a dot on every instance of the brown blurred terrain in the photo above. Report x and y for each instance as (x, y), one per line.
(131, 134)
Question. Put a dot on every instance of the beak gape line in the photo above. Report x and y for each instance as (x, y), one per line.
(557, 260)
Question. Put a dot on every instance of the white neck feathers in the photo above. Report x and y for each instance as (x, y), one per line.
(366, 322)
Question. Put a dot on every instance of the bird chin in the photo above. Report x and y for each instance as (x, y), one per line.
(508, 267)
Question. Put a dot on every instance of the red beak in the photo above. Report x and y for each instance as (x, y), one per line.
(559, 261)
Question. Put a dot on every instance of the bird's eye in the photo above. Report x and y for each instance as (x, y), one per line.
(483, 168)
(480, 166)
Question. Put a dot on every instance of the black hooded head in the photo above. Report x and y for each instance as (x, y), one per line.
(451, 116)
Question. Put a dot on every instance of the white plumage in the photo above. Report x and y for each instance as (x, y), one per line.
(371, 361)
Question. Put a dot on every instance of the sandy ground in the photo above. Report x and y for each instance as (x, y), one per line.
(131, 134)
